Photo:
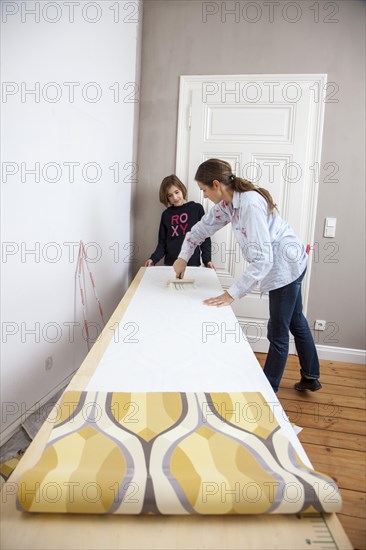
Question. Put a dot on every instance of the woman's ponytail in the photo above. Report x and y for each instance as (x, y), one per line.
(216, 169)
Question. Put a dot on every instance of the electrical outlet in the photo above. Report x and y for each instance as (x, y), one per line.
(319, 325)
(48, 364)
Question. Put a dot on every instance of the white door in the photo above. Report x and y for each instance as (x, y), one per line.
(269, 128)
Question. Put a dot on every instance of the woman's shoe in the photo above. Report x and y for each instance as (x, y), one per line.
(311, 384)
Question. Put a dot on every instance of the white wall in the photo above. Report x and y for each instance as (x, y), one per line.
(93, 43)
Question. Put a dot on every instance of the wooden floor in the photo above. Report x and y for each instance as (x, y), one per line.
(333, 435)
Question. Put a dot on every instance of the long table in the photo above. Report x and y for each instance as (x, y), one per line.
(47, 531)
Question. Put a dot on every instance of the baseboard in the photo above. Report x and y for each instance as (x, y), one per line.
(330, 353)
(346, 355)
(14, 426)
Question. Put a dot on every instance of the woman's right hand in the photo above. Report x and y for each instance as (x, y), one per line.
(149, 263)
(179, 267)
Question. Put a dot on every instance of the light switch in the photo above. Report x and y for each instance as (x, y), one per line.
(330, 227)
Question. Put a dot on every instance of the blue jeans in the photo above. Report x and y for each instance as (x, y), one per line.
(285, 314)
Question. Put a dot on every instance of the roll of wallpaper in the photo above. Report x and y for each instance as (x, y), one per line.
(172, 453)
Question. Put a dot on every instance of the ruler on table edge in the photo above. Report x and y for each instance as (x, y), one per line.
(316, 532)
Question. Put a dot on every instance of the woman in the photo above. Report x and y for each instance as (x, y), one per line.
(276, 257)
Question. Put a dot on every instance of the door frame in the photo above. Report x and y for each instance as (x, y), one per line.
(190, 82)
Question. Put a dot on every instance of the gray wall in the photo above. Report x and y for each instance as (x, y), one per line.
(176, 41)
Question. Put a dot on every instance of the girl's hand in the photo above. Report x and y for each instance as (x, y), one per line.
(220, 301)
(210, 265)
(149, 263)
(179, 267)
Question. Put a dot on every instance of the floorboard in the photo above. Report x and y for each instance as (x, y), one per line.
(333, 434)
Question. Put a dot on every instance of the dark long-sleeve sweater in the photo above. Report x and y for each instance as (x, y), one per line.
(175, 223)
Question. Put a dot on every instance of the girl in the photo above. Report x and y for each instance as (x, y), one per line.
(277, 260)
(176, 221)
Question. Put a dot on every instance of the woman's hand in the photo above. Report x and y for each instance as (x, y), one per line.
(179, 267)
(149, 263)
(210, 265)
(220, 301)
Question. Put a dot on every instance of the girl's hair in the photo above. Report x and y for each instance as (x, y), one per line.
(168, 182)
(216, 169)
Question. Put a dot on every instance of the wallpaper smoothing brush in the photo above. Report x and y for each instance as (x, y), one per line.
(181, 284)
